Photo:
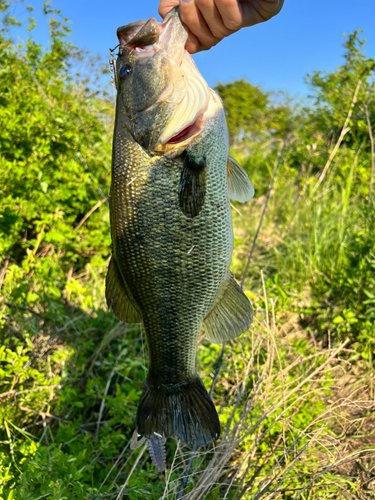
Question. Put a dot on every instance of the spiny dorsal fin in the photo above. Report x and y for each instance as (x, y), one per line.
(239, 185)
(118, 296)
(192, 187)
(231, 314)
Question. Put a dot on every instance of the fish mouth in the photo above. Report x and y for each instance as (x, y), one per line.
(145, 38)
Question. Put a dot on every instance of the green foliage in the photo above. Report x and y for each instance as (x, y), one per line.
(54, 163)
(346, 283)
(54, 158)
(252, 113)
(333, 93)
(255, 118)
(324, 238)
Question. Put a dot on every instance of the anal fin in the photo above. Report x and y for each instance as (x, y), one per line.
(231, 314)
(239, 185)
(118, 296)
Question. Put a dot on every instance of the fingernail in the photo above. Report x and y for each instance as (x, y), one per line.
(185, 2)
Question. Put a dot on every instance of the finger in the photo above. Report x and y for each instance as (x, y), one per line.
(193, 45)
(213, 18)
(194, 21)
(230, 13)
(165, 6)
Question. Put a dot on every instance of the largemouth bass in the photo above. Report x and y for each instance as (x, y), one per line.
(172, 181)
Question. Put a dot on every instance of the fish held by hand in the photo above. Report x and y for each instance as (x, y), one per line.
(172, 181)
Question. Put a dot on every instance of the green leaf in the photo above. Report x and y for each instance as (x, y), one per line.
(338, 319)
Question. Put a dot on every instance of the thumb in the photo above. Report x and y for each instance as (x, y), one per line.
(259, 11)
(166, 5)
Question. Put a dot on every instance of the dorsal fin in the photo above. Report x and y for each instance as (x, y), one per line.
(239, 185)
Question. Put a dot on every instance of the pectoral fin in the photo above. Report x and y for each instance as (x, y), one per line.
(192, 187)
(239, 185)
(231, 314)
(118, 297)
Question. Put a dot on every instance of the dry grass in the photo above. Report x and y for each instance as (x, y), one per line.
(265, 451)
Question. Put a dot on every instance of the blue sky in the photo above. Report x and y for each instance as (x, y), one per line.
(306, 35)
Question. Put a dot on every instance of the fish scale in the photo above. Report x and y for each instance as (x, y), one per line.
(174, 289)
(171, 227)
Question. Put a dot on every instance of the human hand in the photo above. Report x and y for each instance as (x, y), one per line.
(209, 21)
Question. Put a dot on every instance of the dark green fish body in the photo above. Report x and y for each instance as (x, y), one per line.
(172, 237)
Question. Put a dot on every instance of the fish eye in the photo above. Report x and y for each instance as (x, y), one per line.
(124, 72)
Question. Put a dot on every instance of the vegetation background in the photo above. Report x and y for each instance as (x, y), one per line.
(295, 394)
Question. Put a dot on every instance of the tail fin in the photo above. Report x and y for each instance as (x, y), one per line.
(184, 410)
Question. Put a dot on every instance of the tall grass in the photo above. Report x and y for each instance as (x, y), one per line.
(274, 395)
